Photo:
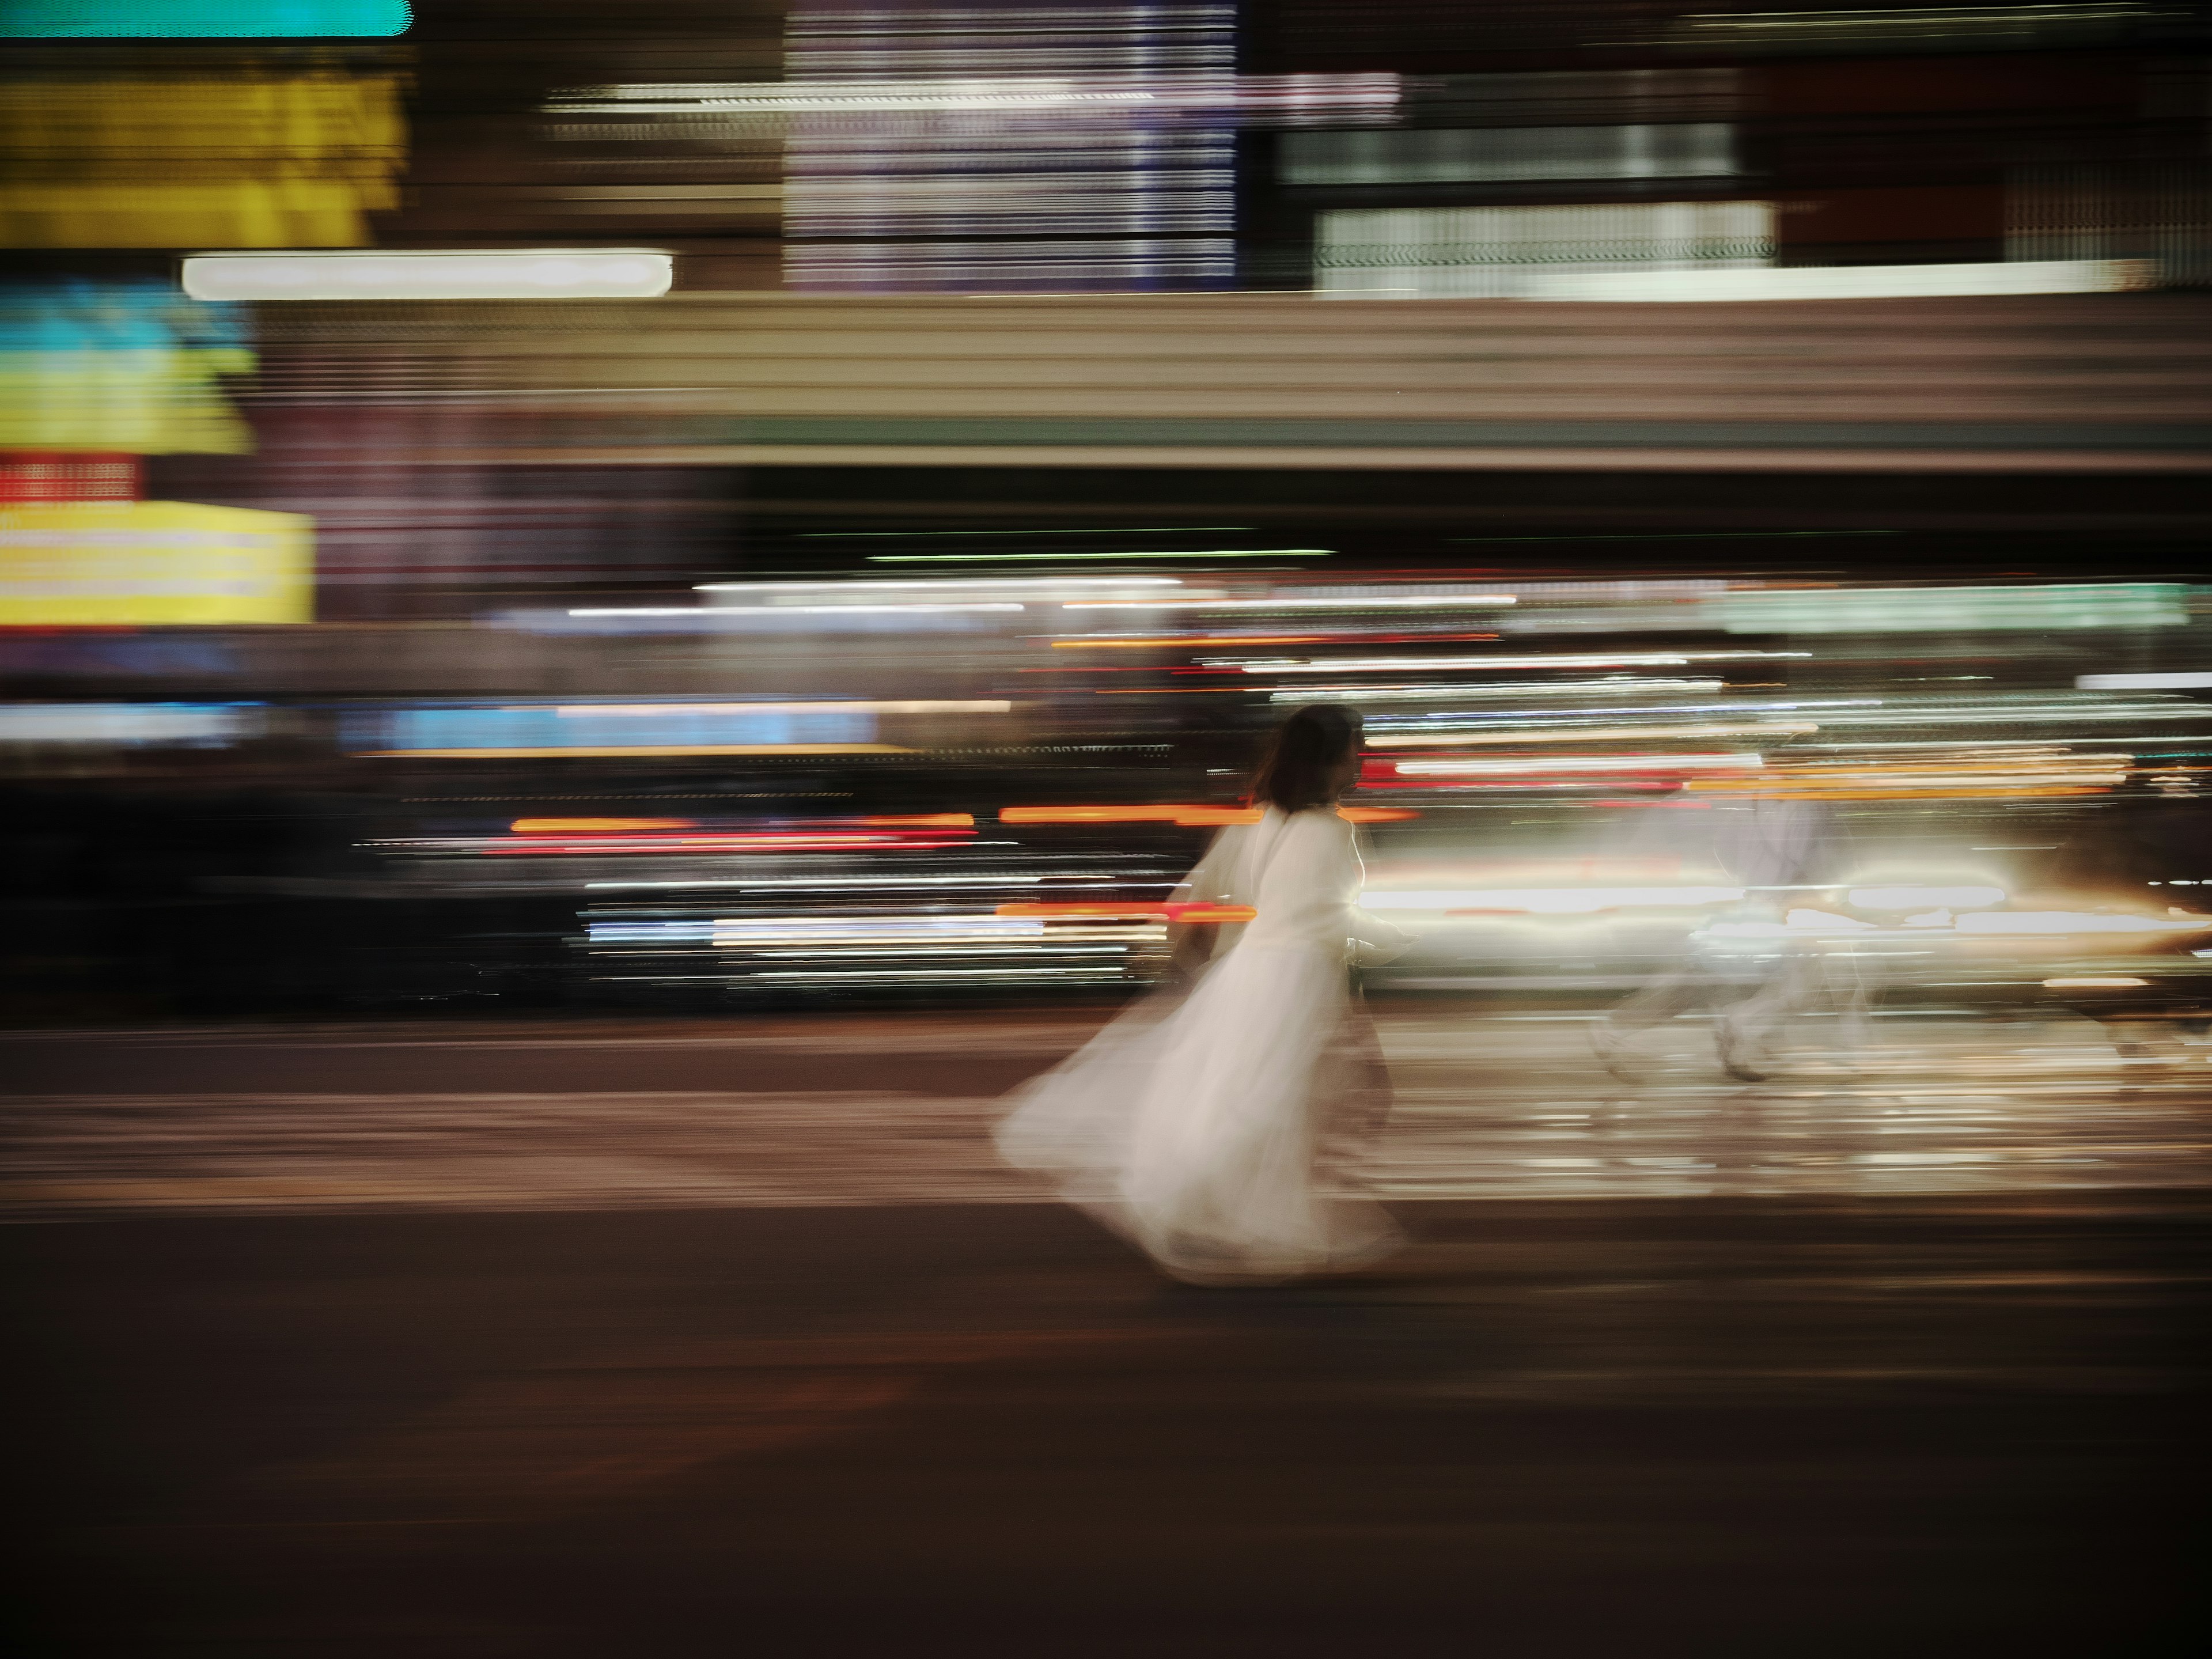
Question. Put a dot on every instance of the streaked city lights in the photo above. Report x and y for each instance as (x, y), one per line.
(1062, 826)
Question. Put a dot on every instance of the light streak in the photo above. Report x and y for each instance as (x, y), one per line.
(1104, 971)
(592, 710)
(1609, 660)
(1284, 603)
(1484, 768)
(1184, 816)
(1121, 643)
(1455, 737)
(1134, 909)
(595, 826)
(1617, 688)
(1041, 585)
(2187, 680)
(1007, 558)
(537, 274)
(701, 841)
(2071, 921)
(2101, 982)
(1839, 282)
(667, 751)
(709, 612)
(831, 883)
(1550, 901)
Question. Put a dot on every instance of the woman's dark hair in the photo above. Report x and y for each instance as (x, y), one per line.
(1309, 746)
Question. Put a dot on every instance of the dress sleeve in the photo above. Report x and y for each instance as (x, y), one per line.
(1214, 875)
(1212, 880)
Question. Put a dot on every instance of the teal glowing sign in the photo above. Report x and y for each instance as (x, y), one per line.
(61, 20)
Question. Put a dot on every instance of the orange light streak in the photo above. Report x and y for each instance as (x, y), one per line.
(1187, 816)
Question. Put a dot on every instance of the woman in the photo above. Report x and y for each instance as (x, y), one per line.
(1196, 1127)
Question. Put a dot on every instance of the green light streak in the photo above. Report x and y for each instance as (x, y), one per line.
(998, 558)
(935, 535)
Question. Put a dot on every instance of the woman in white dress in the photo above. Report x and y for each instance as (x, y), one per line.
(1200, 1124)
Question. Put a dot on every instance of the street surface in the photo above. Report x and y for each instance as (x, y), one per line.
(643, 1337)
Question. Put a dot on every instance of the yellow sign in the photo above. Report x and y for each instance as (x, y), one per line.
(246, 159)
(142, 563)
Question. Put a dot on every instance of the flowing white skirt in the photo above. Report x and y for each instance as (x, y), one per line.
(1197, 1125)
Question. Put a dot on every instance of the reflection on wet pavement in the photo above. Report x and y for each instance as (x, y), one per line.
(858, 1111)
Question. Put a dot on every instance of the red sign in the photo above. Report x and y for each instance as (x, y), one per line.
(65, 476)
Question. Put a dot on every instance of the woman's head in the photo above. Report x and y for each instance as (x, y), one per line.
(1313, 760)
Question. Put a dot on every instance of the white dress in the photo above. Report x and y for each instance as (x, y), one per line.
(1197, 1124)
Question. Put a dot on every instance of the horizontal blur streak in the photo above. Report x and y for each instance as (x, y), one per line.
(538, 274)
(1188, 817)
(2016, 383)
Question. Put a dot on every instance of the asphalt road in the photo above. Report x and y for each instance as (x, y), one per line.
(626, 1339)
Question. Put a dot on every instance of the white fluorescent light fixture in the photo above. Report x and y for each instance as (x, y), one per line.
(1847, 281)
(472, 274)
(2191, 680)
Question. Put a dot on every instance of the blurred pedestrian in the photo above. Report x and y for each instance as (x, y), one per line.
(1779, 846)
(1202, 1124)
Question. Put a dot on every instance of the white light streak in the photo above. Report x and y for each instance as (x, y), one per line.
(1269, 100)
(2067, 922)
(648, 710)
(1580, 763)
(1379, 603)
(546, 274)
(1390, 665)
(1624, 687)
(1038, 584)
(711, 613)
(1460, 735)
(2189, 680)
(1842, 282)
(1551, 901)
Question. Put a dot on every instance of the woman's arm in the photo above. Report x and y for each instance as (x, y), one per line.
(1374, 941)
